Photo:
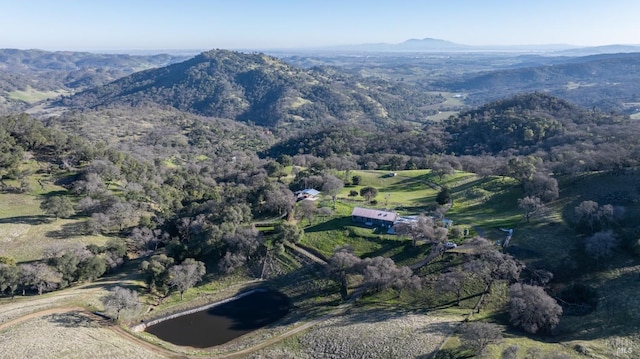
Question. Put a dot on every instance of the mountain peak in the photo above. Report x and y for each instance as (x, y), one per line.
(427, 40)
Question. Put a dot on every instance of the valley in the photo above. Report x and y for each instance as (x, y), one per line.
(138, 187)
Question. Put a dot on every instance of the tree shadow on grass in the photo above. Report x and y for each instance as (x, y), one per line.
(110, 286)
(387, 245)
(333, 224)
(73, 320)
(454, 303)
(450, 353)
(30, 220)
(522, 253)
(68, 230)
(409, 185)
(55, 193)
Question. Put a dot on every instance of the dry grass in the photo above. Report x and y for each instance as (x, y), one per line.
(25, 231)
(67, 335)
(368, 334)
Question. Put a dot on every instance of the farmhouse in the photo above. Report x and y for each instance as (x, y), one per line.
(373, 217)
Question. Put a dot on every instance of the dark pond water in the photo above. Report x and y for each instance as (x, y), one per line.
(225, 322)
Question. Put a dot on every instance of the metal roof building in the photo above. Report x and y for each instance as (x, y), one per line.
(373, 217)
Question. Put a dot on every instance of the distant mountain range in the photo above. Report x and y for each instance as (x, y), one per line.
(438, 45)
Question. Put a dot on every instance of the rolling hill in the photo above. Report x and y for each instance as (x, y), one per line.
(607, 81)
(29, 76)
(261, 89)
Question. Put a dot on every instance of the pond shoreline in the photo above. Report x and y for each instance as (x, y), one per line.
(142, 326)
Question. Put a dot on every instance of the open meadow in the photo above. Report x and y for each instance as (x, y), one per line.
(25, 232)
(370, 334)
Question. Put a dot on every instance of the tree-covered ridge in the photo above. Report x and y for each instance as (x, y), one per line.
(604, 81)
(21, 61)
(519, 125)
(261, 89)
(48, 74)
(521, 122)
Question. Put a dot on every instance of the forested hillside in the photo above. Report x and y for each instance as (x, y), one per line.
(263, 90)
(28, 76)
(569, 138)
(608, 82)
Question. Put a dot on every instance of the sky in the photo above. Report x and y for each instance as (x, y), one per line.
(111, 25)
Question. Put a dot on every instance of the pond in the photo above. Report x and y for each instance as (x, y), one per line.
(224, 322)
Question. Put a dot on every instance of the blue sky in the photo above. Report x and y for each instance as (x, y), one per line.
(101, 25)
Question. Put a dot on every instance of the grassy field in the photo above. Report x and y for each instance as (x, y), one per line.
(31, 95)
(25, 231)
(67, 335)
(368, 334)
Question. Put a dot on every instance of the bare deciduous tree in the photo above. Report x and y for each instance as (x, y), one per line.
(530, 206)
(341, 263)
(493, 265)
(542, 186)
(307, 209)
(40, 277)
(279, 199)
(241, 247)
(332, 185)
(381, 272)
(478, 335)
(186, 275)
(423, 229)
(592, 217)
(510, 352)
(532, 309)
(601, 244)
(452, 282)
(120, 299)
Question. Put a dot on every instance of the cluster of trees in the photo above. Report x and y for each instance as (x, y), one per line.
(62, 266)
(162, 274)
(377, 273)
(530, 307)
(426, 229)
(597, 223)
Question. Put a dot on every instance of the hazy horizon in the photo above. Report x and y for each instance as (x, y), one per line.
(288, 24)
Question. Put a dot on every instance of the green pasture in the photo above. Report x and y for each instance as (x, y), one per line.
(486, 203)
(31, 95)
(483, 204)
(393, 191)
